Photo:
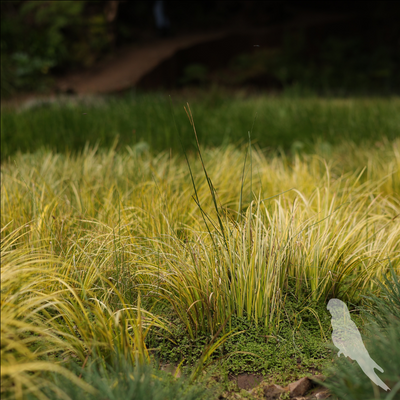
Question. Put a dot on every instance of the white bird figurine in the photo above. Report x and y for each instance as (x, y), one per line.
(348, 340)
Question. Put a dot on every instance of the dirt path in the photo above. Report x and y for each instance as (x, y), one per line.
(129, 65)
(123, 70)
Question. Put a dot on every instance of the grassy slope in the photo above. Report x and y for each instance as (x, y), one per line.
(128, 218)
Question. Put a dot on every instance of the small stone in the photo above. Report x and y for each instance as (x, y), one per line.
(273, 392)
(300, 387)
(171, 369)
(323, 394)
(248, 381)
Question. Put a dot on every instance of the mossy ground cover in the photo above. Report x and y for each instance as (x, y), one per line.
(222, 262)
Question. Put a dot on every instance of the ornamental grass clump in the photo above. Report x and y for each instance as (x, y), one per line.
(100, 246)
(53, 310)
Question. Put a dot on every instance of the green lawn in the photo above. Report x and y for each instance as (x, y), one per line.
(274, 122)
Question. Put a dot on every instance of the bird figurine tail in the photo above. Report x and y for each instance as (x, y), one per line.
(369, 371)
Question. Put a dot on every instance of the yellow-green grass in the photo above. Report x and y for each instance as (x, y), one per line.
(52, 310)
(84, 235)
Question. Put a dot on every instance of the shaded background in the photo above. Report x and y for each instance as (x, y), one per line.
(327, 47)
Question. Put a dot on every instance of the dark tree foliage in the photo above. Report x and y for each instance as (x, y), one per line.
(40, 38)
